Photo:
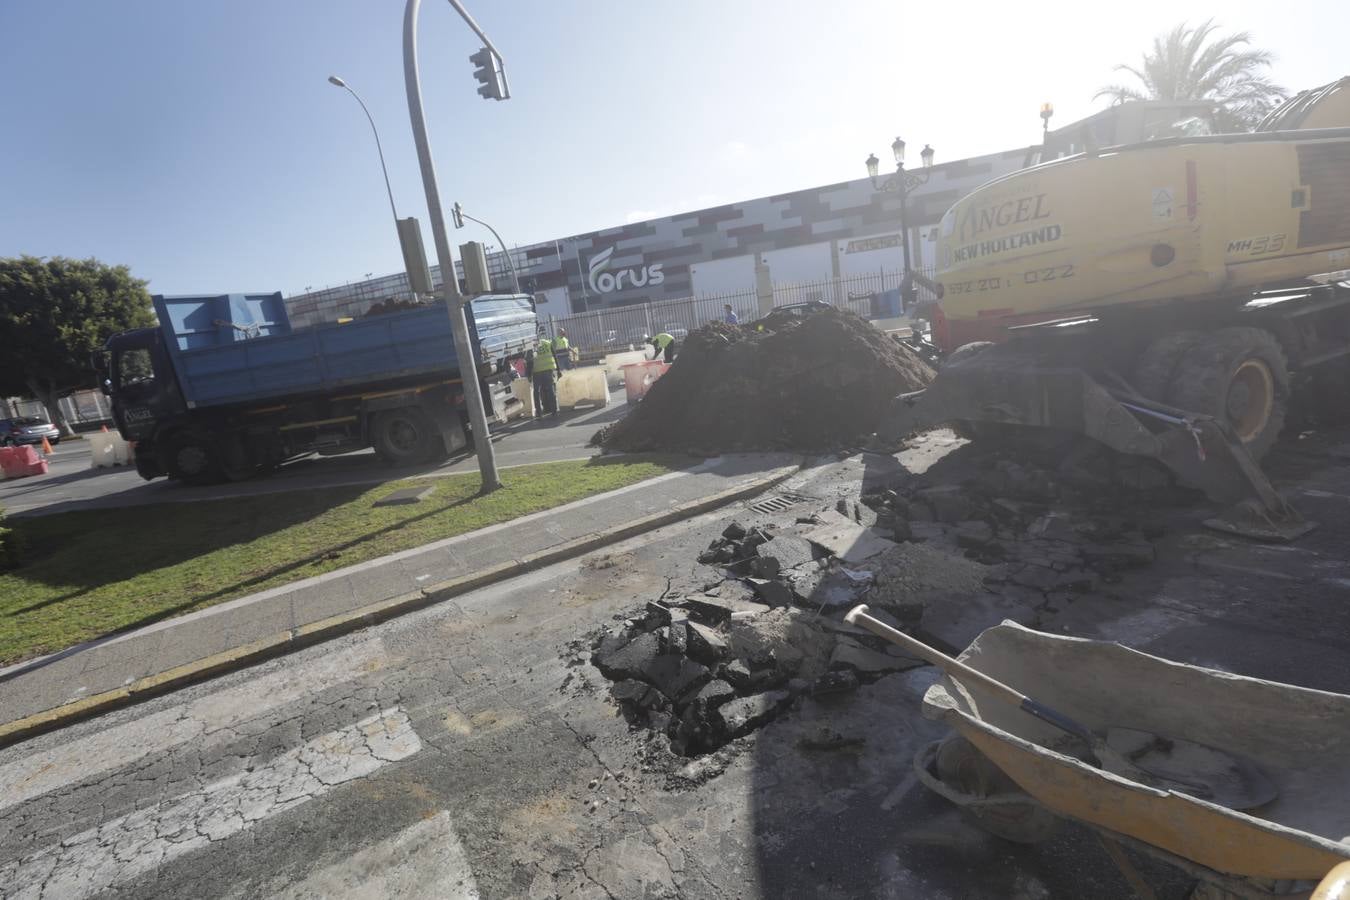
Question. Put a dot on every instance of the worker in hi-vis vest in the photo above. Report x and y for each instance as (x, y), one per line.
(664, 345)
(562, 351)
(543, 370)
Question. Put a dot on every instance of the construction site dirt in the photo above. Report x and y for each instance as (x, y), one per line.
(810, 383)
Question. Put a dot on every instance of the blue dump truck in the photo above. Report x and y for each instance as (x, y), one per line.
(224, 388)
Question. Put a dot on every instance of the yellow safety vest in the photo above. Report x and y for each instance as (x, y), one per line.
(543, 357)
(663, 340)
(560, 343)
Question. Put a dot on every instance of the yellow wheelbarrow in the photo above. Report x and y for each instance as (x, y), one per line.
(1015, 775)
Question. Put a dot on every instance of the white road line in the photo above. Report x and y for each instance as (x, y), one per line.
(133, 845)
(34, 774)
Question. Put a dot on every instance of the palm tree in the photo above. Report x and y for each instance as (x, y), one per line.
(1186, 65)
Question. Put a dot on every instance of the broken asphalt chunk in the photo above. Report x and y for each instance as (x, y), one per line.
(864, 661)
(705, 644)
(629, 660)
(675, 675)
(716, 610)
(745, 714)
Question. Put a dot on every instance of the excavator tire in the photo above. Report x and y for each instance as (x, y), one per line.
(1155, 374)
(1238, 375)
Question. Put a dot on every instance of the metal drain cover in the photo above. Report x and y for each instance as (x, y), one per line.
(779, 502)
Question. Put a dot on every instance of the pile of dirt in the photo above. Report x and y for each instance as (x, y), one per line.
(809, 383)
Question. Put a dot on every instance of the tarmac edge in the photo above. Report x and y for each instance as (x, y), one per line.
(288, 641)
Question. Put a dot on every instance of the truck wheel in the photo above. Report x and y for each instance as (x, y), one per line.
(405, 436)
(192, 459)
(1238, 375)
(1155, 373)
(236, 460)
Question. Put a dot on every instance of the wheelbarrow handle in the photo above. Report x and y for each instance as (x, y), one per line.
(859, 616)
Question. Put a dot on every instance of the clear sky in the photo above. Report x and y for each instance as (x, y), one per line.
(200, 143)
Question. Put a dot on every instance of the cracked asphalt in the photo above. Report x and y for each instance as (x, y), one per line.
(471, 750)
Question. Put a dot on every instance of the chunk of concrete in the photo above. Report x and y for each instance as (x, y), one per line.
(948, 502)
(788, 549)
(676, 675)
(715, 693)
(865, 661)
(974, 533)
(629, 660)
(772, 592)
(745, 714)
(705, 644)
(738, 673)
(846, 539)
(716, 610)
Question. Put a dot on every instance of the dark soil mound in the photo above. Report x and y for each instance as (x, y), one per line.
(784, 382)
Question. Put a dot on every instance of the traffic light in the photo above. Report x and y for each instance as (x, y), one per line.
(457, 215)
(492, 84)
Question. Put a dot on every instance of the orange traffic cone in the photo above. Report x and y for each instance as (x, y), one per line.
(46, 447)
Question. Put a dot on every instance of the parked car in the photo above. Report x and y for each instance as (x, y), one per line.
(28, 430)
(802, 309)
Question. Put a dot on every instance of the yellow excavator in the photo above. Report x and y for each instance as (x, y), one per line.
(1162, 297)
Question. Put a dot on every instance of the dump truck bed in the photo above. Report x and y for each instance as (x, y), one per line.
(222, 361)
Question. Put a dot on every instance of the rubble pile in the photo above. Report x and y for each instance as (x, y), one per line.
(1046, 537)
(979, 538)
(707, 668)
(812, 382)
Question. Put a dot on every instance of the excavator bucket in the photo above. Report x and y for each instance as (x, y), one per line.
(1014, 386)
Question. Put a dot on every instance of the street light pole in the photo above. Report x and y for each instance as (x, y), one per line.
(333, 79)
(902, 182)
(510, 263)
(454, 301)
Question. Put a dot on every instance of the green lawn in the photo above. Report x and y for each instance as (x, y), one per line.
(87, 574)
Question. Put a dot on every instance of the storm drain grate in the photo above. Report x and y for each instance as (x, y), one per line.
(779, 503)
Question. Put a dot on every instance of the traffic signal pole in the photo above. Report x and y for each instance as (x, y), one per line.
(450, 295)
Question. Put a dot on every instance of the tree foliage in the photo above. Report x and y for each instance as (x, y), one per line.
(54, 313)
(1190, 63)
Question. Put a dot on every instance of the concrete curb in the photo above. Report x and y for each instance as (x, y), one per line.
(335, 626)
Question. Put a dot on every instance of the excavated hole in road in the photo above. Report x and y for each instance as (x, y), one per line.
(979, 538)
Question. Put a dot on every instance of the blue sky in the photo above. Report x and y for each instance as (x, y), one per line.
(201, 144)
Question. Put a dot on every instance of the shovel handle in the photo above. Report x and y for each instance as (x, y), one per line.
(859, 616)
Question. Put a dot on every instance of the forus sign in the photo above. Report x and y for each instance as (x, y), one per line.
(603, 281)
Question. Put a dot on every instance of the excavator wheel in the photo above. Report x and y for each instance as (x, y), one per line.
(1156, 371)
(1238, 375)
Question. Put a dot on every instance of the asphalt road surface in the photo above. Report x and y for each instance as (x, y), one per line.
(71, 484)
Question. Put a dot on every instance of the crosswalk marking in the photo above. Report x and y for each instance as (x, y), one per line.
(132, 845)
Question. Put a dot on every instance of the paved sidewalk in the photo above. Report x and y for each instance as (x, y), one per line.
(42, 693)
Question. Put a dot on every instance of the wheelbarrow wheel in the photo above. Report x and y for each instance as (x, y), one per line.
(967, 770)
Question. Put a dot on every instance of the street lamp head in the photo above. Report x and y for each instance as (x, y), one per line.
(926, 154)
(873, 166)
(333, 79)
(898, 148)
(1047, 110)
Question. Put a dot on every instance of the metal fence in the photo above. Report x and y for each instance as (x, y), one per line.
(872, 296)
(87, 407)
